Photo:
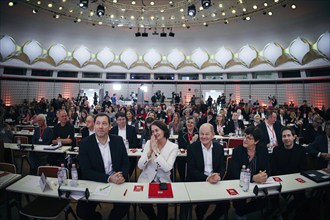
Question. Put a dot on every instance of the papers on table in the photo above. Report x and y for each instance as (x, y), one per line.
(52, 147)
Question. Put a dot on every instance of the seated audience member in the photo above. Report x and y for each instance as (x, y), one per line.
(313, 130)
(63, 132)
(220, 125)
(132, 121)
(271, 130)
(206, 162)
(286, 159)
(320, 148)
(169, 116)
(234, 124)
(175, 124)
(254, 155)
(103, 158)
(5, 133)
(42, 135)
(282, 117)
(146, 133)
(156, 164)
(187, 136)
(89, 129)
(27, 118)
(257, 120)
(128, 133)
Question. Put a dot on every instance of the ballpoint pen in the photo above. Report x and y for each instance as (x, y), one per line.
(104, 187)
(125, 192)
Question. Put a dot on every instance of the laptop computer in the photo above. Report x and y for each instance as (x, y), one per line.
(316, 175)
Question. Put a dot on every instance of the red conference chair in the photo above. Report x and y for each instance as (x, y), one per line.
(232, 143)
(8, 167)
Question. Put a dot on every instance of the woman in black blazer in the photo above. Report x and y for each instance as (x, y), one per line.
(254, 155)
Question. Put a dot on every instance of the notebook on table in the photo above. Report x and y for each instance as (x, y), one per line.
(316, 175)
(156, 192)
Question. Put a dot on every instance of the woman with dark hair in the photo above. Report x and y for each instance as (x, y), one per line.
(254, 155)
(156, 164)
(146, 133)
(220, 125)
(175, 124)
(187, 136)
(132, 121)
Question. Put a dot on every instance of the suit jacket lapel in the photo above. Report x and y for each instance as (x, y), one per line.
(97, 151)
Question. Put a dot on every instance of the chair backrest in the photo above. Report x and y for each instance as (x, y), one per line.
(228, 169)
(50, 171)
(2, 151)
(8, 167)
(24, 139)
(232, 143)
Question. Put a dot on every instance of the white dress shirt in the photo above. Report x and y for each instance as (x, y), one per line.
(271, 133)
(122, 132)
(106, 155)
(207, 155)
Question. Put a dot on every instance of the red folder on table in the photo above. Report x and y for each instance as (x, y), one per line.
(156, 192)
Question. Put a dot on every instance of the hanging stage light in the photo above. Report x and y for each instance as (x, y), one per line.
(192, 10)
(83, 4)
(100, 11)
(206, 4)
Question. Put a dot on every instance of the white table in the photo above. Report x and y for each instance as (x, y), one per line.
(24, 133)
(30, 185)
(8, 179)
(37, 148)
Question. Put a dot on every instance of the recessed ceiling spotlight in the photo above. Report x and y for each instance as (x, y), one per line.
(60, 8)
(233, 11)
(91, 13)
(226, 22)
(181, 10)
(244, 9)
(34, 11)
(270, 13)
(50, 5)
(133, 2)
(265, 4)
(220, 5)
(38, 2)
(293, 6)
(152, 3)
(248, 18)
(171, 3)
(223, 13)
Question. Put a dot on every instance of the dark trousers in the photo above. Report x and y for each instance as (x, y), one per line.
(220, 209)
(162, 211)
(243, 206)
(181, 165)
(132, 165)
(87, 210)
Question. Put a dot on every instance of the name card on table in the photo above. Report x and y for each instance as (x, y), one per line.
(44, 185)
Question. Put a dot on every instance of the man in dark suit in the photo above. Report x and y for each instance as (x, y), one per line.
(128, 133)
(211, 170)
(271, 130)
(103, 158)
(320, 148)
(89, 129)
(234, 124)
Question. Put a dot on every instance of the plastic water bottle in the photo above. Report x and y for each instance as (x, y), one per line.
(247, 177)
(65, 178)
(74, 176)
(171, 132)
(59, 142)
(221, 142)
(60, 176)
(236, 132)
(239, 132)
(143, 143)
(242, 176)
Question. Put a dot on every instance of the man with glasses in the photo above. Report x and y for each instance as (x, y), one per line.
(313, 130)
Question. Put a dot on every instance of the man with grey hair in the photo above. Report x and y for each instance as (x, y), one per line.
(206, 162)
(42, 135)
